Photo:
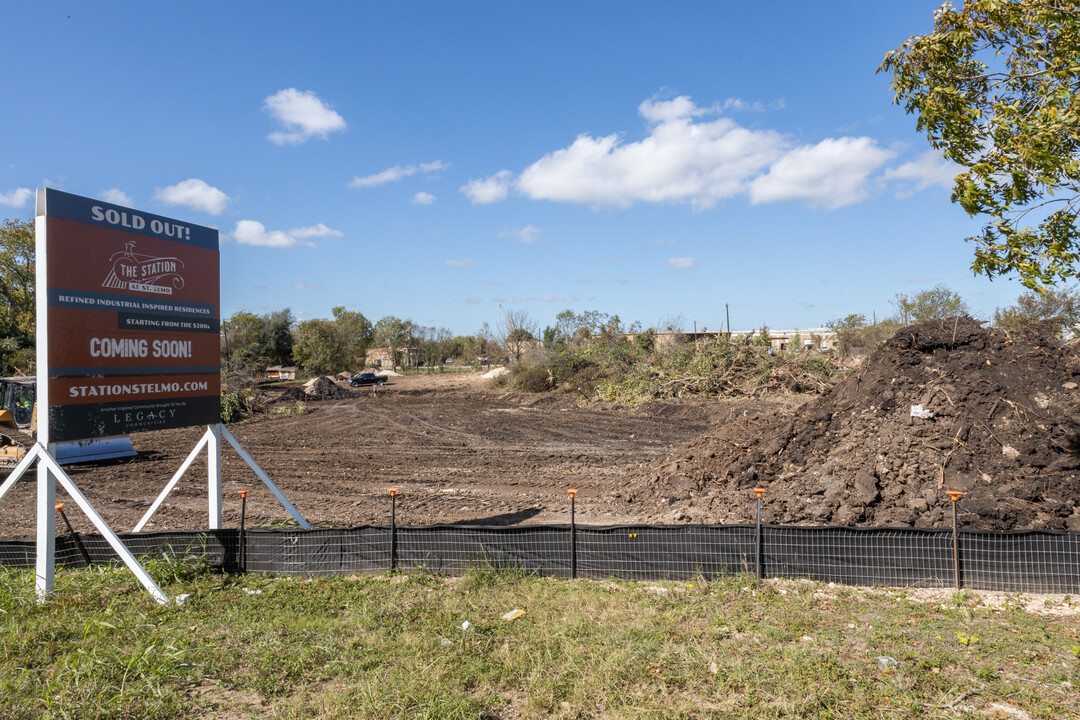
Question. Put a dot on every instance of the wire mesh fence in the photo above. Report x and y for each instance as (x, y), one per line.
(1022, 561)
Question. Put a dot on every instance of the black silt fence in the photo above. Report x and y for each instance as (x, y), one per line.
(1023, 561)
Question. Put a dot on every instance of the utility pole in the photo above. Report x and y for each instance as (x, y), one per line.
(727, 314)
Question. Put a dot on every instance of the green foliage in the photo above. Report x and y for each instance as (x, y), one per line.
(356, 333)
(394, 334)
(994, 88)
(320, 347)
(254, 342)
(610, 367)
(230, 407)
(937, 302)
(17, 297)
(1056, 307)
(848, 331)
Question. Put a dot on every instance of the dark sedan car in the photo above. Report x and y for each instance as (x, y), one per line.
(366, 378)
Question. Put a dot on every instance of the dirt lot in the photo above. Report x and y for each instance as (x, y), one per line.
(945, 405)
(458, 449)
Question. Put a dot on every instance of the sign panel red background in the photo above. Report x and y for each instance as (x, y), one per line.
(132, 320)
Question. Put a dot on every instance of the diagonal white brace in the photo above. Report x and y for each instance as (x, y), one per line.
(265, 478)
(103, 527)
(20, 470)
(172, 483)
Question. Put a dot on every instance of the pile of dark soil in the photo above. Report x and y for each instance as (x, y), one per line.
(320, 388)
(944, 405)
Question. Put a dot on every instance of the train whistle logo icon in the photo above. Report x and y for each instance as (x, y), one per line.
(135, 272)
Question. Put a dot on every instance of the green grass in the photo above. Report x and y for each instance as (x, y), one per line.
(392, 647)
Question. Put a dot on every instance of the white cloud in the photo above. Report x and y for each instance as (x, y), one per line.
(691, 158)
(664, 111)
(17, 197)
(661, 242)
(117, 197)
(195, 194)
(303, 116)
(527, 235)
(831, 174)
(460, 263)
(490, 189)
(681, 161)
(558, 298)
(307, 286)
(926, 170)
(319, 230)
(740, 105)
(423, 198)
(253, 232)
(681, 263)
(398, 172)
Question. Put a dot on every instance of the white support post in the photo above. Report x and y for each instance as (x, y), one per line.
(45, 566)
(19, 470)
(213, 469)
(264, 477)
(48, 461)
(172, 483)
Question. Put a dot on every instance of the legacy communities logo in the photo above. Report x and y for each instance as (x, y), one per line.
(136, 272)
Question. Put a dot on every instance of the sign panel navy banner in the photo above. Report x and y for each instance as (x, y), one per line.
(132, 319)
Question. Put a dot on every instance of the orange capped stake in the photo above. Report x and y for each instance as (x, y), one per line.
(243, 493)
(572, 491)
(954, 495)
(759, 491)
(392, 491)
(59, 507)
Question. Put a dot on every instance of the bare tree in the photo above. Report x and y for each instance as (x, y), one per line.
(520, 332)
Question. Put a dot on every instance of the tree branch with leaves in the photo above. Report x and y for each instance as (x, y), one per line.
(996, 88)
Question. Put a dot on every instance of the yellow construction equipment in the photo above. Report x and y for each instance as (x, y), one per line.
(18, 429)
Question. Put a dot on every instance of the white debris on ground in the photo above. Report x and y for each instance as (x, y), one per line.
(495, 373)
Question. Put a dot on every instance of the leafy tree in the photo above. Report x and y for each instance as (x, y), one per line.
(356, 333)
(1057, 307)
(254, 342)
(320, 347)
(848, 332)
(994, 87)
(277, 336)
(937, 302)
(17, 297)
(394, 334)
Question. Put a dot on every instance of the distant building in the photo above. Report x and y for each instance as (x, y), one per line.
(281, 372)
(379, 357)
(810, 338)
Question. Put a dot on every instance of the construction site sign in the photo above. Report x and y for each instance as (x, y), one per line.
(131, 303)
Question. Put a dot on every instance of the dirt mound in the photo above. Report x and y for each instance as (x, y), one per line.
(320, 388)
(944, 405)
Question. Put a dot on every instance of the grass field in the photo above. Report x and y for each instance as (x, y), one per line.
(393, 647)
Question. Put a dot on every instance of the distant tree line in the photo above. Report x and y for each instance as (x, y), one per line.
(251, 343)
(1056, 308)
(585, 340)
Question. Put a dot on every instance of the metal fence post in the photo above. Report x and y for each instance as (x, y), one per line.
(74, 536)
(242, 550)
(393, 528)
(954, 496)
(573, 535)
(758, 539)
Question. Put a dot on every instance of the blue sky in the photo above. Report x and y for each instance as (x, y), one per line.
(432, 160)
